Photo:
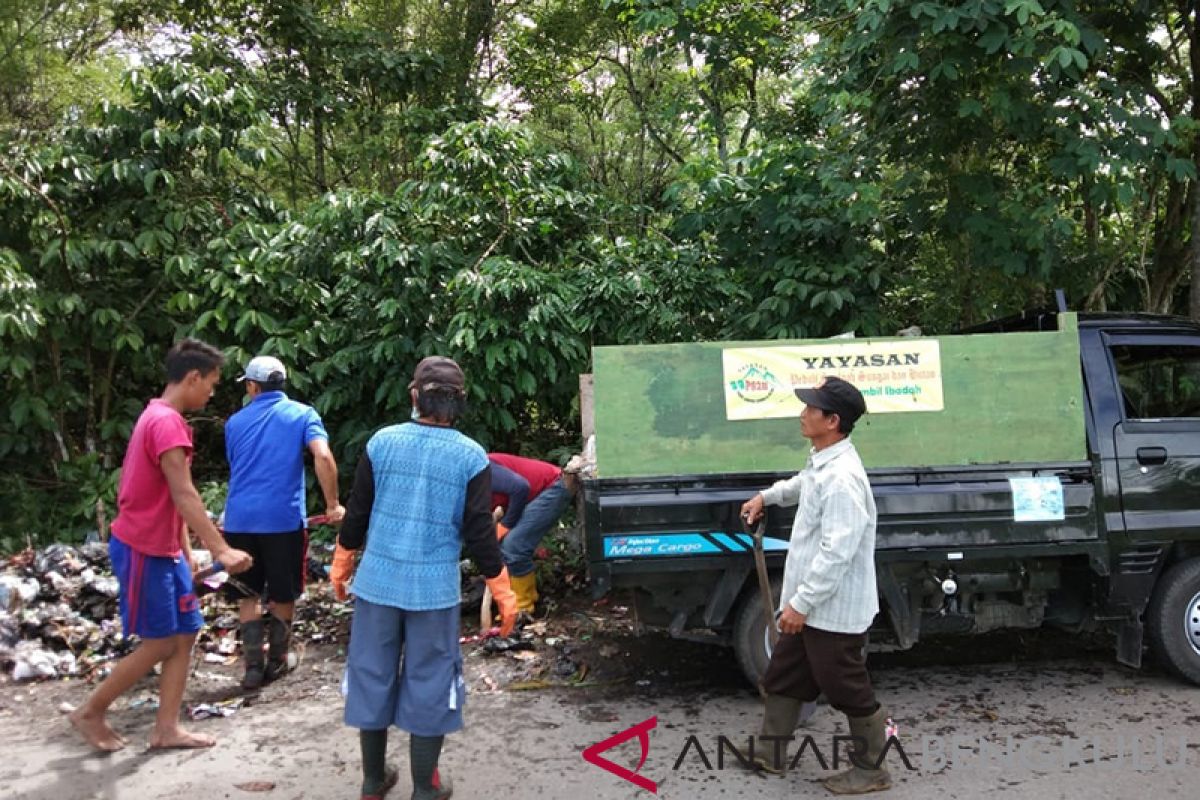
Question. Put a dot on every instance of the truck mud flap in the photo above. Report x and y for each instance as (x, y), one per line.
(1129, 643)
(725, 594)
(902, 609)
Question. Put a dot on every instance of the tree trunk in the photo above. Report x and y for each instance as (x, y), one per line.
(1194, 261)
(316, 77)
(1194, 241)
(319, 150)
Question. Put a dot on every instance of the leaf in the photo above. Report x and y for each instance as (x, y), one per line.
(905, 61)
(1181, 169)
(970, 107)
(18, 412)
(995, 37)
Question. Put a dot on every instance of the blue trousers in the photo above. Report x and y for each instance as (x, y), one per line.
(404, 668)
(157, 598)
(539, 516)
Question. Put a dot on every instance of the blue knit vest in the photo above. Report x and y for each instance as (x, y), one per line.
(414, 539)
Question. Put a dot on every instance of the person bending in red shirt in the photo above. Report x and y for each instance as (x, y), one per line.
(534, 495)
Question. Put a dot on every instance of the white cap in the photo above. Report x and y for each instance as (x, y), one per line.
(264, 369)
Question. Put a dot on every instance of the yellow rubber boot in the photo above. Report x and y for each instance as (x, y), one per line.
(525, 588)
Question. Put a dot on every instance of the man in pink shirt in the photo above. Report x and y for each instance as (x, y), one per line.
(151, 553)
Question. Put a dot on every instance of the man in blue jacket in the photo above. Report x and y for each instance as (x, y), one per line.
(265, 515)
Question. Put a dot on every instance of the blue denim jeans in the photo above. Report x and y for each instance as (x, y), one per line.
(539, 516)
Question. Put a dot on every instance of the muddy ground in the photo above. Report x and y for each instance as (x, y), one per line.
(1057, 716)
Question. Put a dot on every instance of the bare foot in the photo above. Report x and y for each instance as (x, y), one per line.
(178, 738)
(96, 731)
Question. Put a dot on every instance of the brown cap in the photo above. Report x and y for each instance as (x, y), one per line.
(437, 371)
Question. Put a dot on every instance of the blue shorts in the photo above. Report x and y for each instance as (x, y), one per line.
(157, 596)
(404, 668)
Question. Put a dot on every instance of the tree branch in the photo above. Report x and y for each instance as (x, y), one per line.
(64, 228)
(639, 104)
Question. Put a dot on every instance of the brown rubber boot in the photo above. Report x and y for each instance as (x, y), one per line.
(864, 776)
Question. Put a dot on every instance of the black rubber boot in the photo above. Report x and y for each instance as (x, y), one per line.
(279, 639)
(252, 652)
(428, 782)
(378, 777)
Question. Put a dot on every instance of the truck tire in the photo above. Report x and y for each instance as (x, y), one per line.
(1173, 621)
(750, 642)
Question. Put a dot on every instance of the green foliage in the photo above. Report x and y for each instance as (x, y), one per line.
(103, 234)
(1021, 135)
(654, 290)
(797, 226)
(213, 494)
(53, 59)
(354, 185)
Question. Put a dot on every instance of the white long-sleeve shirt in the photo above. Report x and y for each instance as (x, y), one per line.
(829, 575)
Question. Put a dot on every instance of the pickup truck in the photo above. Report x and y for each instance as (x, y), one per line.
(1120, 547)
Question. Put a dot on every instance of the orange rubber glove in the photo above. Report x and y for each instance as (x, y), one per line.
(341, 571)
(506, 599)
(501, 531)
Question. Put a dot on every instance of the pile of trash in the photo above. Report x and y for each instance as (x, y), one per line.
(59, 612)
(60, 615)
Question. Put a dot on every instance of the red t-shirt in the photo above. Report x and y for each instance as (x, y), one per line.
(539, 474)
(147, 519)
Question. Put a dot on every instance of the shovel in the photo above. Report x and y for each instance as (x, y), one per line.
(200, 576)
(768, 601)
(202, 588)
(764, 582)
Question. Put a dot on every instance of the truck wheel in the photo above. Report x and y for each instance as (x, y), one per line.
(750, 642)
(1174, 619)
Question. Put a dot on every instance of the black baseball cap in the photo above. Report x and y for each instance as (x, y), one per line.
(835, 395)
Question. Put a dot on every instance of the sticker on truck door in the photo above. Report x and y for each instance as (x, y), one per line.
(1037, 499)
(684, 544)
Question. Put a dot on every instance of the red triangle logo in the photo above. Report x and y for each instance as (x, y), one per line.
(642, 731)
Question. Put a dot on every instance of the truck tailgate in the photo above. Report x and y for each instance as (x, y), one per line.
(672, 517)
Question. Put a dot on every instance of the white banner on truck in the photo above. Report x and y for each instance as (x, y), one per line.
(894, 376)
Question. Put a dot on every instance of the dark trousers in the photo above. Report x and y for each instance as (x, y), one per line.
(813, 661)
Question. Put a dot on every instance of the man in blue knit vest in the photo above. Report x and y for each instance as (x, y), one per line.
(421, 491)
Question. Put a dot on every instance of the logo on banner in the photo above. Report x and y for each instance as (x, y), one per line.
(755, 383)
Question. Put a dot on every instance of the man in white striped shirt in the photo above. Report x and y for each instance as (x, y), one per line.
(829, 596)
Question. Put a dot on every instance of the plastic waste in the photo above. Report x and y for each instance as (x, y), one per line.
(16, 591)
(32, 662)
(226, 708)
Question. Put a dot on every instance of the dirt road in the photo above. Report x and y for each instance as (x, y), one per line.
(1059, 718)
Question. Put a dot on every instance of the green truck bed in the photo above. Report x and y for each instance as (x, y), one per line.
(1001, 398)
